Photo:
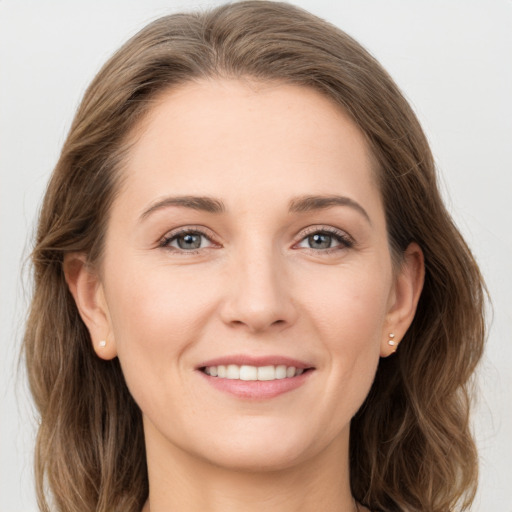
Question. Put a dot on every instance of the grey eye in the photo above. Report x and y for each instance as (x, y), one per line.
(320, 241)
(189, 241)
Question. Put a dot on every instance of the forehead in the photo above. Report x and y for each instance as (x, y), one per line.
(221, 137)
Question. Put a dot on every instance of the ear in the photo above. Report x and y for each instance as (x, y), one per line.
(87, 290)
(403, 299)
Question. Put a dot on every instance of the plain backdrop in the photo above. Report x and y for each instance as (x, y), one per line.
(453, 60)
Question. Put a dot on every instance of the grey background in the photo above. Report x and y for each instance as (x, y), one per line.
(453, 60)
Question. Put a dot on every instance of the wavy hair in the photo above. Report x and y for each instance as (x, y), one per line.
(410, 447)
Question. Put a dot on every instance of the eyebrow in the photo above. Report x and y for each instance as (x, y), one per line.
(309, 203)
(206, 204)
(298, 205)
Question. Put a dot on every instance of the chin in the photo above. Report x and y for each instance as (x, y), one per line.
(268, 448)
(259, 459)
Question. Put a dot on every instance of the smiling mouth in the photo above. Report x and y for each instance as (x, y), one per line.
(257, 378)
(253, 373)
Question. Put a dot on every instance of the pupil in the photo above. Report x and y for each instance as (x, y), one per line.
(319, 241)
(189, 241)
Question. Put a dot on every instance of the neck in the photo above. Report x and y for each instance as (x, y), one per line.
(181, 481)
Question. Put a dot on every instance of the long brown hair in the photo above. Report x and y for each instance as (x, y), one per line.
(410, 447)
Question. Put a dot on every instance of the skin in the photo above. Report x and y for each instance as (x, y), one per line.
(257, 286)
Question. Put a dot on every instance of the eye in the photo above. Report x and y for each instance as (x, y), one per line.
(326, 239)
(187, 240)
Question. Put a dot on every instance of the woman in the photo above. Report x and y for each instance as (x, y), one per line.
(248, 292)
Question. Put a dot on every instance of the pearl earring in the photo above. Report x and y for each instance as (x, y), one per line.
(391, 341)
(102, 343)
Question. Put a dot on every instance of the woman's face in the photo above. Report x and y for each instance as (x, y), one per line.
(248, 241)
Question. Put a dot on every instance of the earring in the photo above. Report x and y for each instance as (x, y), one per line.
(391, 341)
(102, 343)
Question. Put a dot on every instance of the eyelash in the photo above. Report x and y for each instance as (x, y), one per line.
(166, 240)
(345, 240)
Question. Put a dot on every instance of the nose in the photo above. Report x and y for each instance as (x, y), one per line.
(258, 296)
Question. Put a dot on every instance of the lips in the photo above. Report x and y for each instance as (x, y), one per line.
(255, 377)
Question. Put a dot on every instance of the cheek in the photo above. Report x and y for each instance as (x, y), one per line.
(156, 304)
(156, 315)
(348, 316)
(350, 307)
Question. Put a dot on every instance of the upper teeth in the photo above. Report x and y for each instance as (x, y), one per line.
(246, 372)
